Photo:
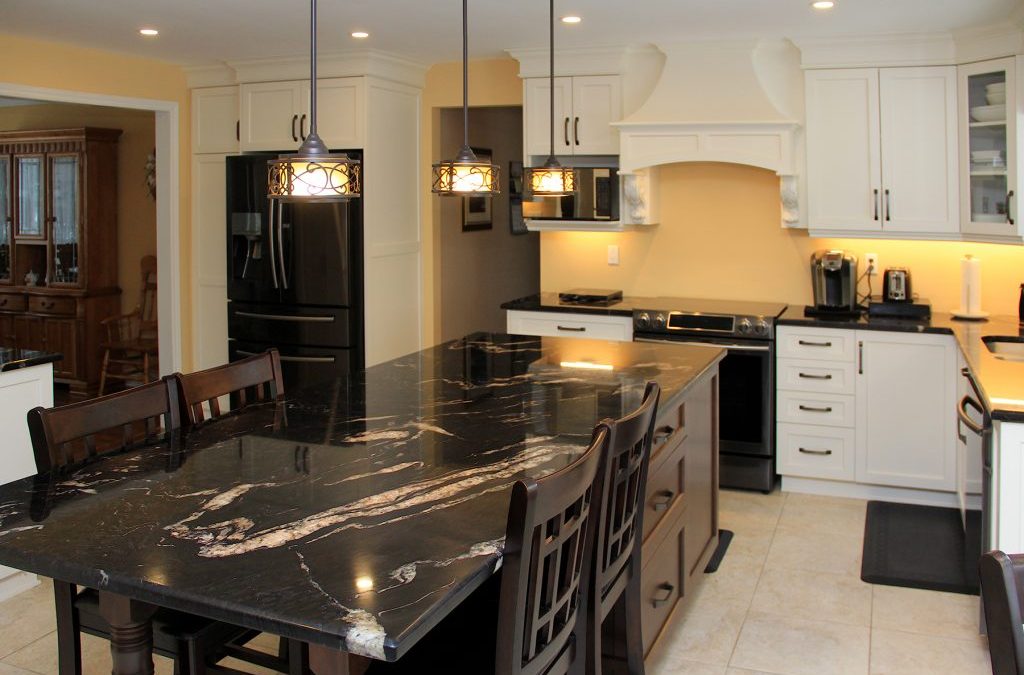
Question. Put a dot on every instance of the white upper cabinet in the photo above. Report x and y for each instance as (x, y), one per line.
(989, 152)
(215, 122)
(882, 151)
(585, 107)
(275, 115)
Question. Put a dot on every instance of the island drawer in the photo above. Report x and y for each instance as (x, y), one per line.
(661, 584)
(835, 410)
(43, 304)
(821, 376)
(819, 344)
(665, 486)
(13, 302)
(567, 324)
(816, 452)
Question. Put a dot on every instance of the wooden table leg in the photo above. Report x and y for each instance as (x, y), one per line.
(131, 633)
(327, 661)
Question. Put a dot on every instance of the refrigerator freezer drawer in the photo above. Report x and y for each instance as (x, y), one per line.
(278, 324)
(300, 366)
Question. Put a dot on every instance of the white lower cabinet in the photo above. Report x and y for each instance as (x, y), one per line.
(558, 324)
(877, 410)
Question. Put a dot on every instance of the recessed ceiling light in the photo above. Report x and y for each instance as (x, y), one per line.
(571, 19)
(360, 34)
(149, 32)
(823, 4)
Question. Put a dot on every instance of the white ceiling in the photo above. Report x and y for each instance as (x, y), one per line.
(207, 31)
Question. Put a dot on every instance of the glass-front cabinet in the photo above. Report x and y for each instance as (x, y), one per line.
(988, 150)
(31, 216)
(6, 219)
(65, 212)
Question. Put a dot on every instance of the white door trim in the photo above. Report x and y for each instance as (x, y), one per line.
(168, 224)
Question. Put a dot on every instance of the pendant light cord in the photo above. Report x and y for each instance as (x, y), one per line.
(551, 78)
(465, 74)
(312, 67)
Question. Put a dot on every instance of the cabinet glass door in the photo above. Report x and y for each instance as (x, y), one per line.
(65, 214)
(30, 222)
(987, 94)
(5, 219)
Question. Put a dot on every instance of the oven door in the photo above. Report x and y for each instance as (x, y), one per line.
(746, 392)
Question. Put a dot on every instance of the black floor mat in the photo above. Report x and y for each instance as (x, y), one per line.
(921, 547)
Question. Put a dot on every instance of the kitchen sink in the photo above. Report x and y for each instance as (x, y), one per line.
(1006, 347)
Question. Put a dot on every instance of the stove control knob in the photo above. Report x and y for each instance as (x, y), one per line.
(659, 321)
(762, 328)
(643, 320)
(745, 327)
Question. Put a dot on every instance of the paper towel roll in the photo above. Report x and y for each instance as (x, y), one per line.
(970, 291)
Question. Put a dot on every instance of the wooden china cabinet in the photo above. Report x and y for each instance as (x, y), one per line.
(58, 246)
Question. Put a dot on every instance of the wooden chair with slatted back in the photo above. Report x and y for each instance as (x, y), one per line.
(255, 379)
(131, 349)
(1002, 595)
(616, 579)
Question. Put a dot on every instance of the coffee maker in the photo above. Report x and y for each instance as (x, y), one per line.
(834, 280)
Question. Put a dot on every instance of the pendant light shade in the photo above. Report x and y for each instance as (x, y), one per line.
(552, 179)
(466, 174)
(313, 174)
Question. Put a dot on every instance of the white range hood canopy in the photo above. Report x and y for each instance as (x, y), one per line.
(737, 101)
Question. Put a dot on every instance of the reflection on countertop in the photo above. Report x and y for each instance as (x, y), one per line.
(13, 359)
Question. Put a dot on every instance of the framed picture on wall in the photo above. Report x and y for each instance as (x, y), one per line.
(476, 211)
(515, 198)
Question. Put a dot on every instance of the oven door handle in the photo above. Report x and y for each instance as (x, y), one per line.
(699, 343)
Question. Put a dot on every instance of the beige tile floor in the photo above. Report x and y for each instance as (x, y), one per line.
(787, 599)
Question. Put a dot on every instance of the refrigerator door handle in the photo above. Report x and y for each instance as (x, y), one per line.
(270, 233)
(297, 318)
(280, 245)
(294, 359)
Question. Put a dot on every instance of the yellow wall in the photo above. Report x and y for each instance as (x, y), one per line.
(492, 82)
(61, 66)
(136, 210)
(720, 237)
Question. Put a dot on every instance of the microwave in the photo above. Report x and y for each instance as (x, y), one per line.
(596, 198)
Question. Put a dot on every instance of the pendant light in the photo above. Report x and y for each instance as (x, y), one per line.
(313, 174)
(466, 175)
(552, 179)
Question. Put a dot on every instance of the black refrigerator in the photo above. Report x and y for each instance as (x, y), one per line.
(295, 277)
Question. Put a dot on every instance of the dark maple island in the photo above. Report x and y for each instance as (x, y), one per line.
(355, 515)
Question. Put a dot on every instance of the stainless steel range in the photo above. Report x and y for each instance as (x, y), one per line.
(746, 376)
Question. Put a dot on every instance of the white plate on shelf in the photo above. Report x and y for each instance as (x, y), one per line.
(986, 155)
(996, 97)
(988, 217)
(988, 113)
(996, 86)
(972, 316)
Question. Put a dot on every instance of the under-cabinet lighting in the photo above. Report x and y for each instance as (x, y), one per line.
(360, 34)
(572, 18)
(586, 365)
(1007, 401)
(823, 4)
(149, 32)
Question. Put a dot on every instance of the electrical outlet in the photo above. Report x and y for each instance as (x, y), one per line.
(613, 254)
(872, 262)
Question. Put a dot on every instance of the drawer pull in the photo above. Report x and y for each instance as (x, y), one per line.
(807, 343)
(809, 408)
(815, 452)
(3, 303)
(662, 434)
(662, 594)
(810, 376)
(662, 499)
(572, 329)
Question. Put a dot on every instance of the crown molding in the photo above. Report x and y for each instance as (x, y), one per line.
(580, 61)
(981, 43)
(871, 51)
(370, 62)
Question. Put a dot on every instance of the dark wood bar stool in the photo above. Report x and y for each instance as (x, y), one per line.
(616, 578)
(1002, 594)
(253, 380)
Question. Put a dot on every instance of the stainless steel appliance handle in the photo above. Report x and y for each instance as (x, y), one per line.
(961, 412)
(806, 451)
(270, 236)
(295, 359)
(699, 343)
(573, 329)
(811, 376)
(280, 244)
(808, 343)
(809, 408)
(287, 317)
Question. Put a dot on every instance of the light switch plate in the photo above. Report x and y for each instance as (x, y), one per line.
(613, 254)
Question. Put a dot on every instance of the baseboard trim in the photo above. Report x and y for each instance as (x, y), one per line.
(832, 488)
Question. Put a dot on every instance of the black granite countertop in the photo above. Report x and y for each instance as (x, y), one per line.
(13, 359)
(549, 302)
(354, 515)
(999, 377)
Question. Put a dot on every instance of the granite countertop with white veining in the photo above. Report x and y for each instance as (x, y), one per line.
(357, 513)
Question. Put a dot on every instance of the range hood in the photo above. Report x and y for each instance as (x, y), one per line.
(738, 101)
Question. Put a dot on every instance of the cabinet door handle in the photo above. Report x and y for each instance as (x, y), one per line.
(661, 499)
(660, 434)
(888, 207)
(238, 130)
(295, 118)
(573, 329)
(810, 376)
(809, 408)
(806, 343)
(860, 357)
(876, 204)
(302, 127)
(662, 594)
(565, 131)
(1009, 213)
(807, 451)
(576, 130)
